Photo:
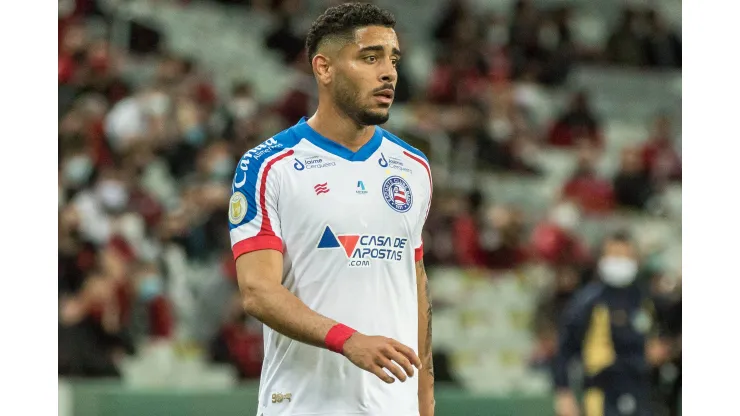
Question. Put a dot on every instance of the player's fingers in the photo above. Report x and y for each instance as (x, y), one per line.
(408, 352)
(392, 367)
(401, 360)
(378, 371)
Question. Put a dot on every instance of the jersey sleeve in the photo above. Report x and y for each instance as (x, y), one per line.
(254, 221)
(417, 241)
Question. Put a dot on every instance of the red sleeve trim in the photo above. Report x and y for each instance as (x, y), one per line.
(264, 242)
(419, 252)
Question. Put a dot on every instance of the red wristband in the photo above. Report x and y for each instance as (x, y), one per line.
(337, 336)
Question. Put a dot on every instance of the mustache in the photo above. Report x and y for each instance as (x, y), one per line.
(384, 87)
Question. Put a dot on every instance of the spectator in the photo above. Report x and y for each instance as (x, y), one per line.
(593, 194)
(662, 46)
(658, 155)
(239, 342)
(467, 226)
(633, 187)
(240, 113)
(555, 241)
(283, 40)
(626, 45)
(576, 124)
(502, 239)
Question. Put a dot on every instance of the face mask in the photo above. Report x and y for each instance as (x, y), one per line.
(157, 104)
(150, 287)
(617, 271)
(500, 129)
(78, 170)
(243, 108)
(112, 194)
(566, 216)
(222, 169)
(195, 136)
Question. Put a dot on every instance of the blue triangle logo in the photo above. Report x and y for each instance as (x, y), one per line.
(328, 240)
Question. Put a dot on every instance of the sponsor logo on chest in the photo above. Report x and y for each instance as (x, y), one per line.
(362, 250)
(314, 162)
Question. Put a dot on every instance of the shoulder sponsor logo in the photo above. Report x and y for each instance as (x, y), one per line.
(362, 249)
(393, 163)
(314, 162)
(254, 154)
(382, 161)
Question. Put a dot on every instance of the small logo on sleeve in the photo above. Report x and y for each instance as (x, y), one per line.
(237, 207)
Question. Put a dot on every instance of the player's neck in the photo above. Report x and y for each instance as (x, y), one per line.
(336, 126)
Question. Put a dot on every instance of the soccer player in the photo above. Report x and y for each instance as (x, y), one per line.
(326, 221)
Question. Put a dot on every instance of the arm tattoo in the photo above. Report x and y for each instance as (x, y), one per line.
(427, 353)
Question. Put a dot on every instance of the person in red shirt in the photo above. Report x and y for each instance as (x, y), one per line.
(578, 123)
(659, 156)
(466, 232)
(593, 194)
(555, 242)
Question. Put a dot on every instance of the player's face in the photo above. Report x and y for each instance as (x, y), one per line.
(366, 75)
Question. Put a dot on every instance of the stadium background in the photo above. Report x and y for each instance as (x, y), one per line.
(548, 124)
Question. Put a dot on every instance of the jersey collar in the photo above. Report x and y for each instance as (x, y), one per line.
(367, 150)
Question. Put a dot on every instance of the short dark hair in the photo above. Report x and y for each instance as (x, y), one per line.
(342, 20)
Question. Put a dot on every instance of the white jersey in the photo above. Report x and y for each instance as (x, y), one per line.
(349, 226)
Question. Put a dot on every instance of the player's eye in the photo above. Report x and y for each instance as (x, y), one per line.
(395, 62)
(370, 59)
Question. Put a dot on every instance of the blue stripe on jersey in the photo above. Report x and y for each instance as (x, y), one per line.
(303, 130)
(395, 139)
(248, 168)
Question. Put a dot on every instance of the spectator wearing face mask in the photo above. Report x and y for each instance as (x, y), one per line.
(606, 326)
(100, 205)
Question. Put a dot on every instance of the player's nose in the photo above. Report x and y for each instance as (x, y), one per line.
(388, 74)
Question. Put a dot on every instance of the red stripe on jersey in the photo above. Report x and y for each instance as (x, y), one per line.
(426, 166)
(265, 242)
(419, 251)
(266, 226)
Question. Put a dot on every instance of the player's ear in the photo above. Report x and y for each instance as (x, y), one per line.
(322, 68)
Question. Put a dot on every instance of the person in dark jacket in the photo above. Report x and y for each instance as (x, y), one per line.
(607, 326)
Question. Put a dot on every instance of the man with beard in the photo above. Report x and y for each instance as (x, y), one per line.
(326, 220)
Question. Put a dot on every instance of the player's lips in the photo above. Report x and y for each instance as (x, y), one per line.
(385, 96)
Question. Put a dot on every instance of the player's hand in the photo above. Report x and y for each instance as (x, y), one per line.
(566, 404)
(374, 353)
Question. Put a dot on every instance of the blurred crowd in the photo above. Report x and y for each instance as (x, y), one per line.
(145, 169)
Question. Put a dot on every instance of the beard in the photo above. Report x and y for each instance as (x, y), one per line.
(347, 98)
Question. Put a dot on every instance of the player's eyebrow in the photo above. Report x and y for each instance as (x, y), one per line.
(379, 48)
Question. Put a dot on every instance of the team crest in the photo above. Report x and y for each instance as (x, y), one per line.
(397, 193)
(237, 207)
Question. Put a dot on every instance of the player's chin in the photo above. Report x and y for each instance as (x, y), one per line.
(375, 116)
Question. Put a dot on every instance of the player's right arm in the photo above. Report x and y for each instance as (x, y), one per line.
(264, 297)
(258, 251)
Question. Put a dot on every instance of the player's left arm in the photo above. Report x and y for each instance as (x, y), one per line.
(426, 375)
